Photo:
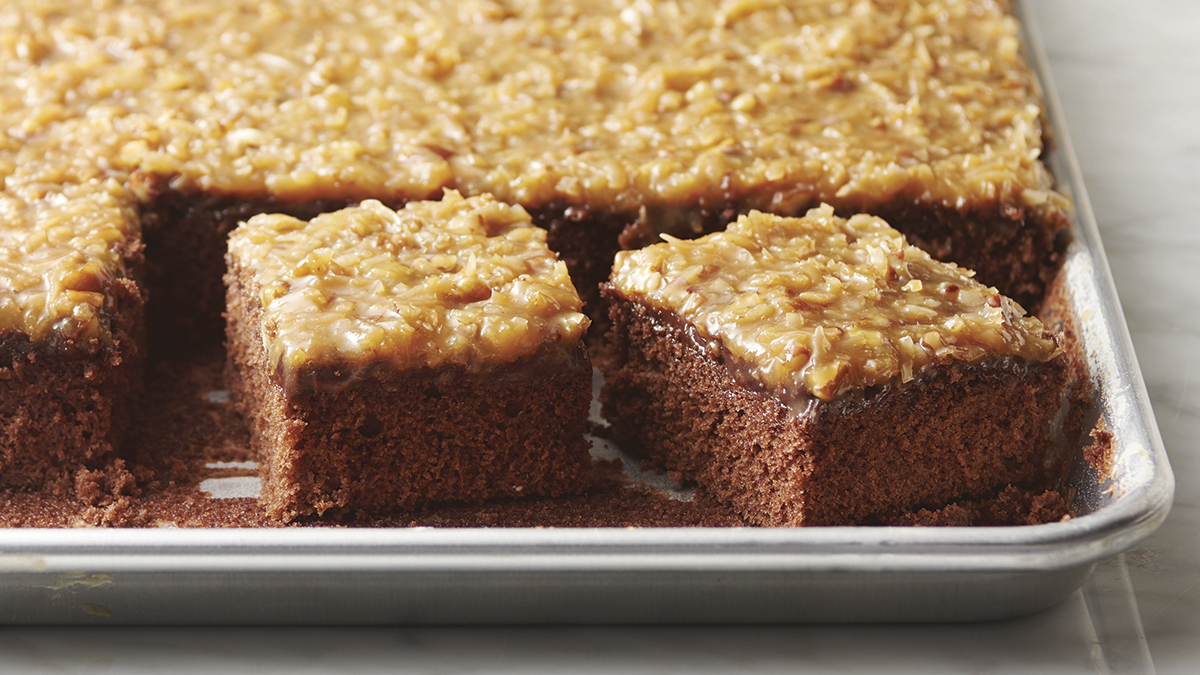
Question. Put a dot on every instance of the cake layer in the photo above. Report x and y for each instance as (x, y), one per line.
(389, 359)
(611, 123)
(60, 413)
(401, 441)
(958, 431)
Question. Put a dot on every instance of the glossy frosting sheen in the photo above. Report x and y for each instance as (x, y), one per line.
(466, 282)
(59, 254)
(821, 305)
(612, 104)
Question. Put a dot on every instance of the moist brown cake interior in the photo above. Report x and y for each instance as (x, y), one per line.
(180, 427)
(866, 459)
(66, 409)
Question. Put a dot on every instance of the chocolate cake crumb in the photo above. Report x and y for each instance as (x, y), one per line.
(1010, 506)
(1099, 453)
(179, 431)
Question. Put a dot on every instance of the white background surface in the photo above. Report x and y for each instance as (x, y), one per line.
(1128, 74)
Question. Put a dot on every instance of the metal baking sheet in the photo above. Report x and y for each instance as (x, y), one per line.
(503, 576)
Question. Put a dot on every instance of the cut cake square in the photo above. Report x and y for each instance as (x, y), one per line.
(71, 332)
(821, 371)
(393, 358)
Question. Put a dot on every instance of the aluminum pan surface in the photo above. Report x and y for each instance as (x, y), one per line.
(608, 575)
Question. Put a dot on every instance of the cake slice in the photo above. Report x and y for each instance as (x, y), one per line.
(821, 371)
(71, 335)
(393, 358)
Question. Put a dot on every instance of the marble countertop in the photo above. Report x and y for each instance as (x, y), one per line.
(1128, 75)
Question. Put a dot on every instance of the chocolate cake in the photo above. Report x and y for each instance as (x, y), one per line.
(609, 124)
(819, 371)
(390, 359)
